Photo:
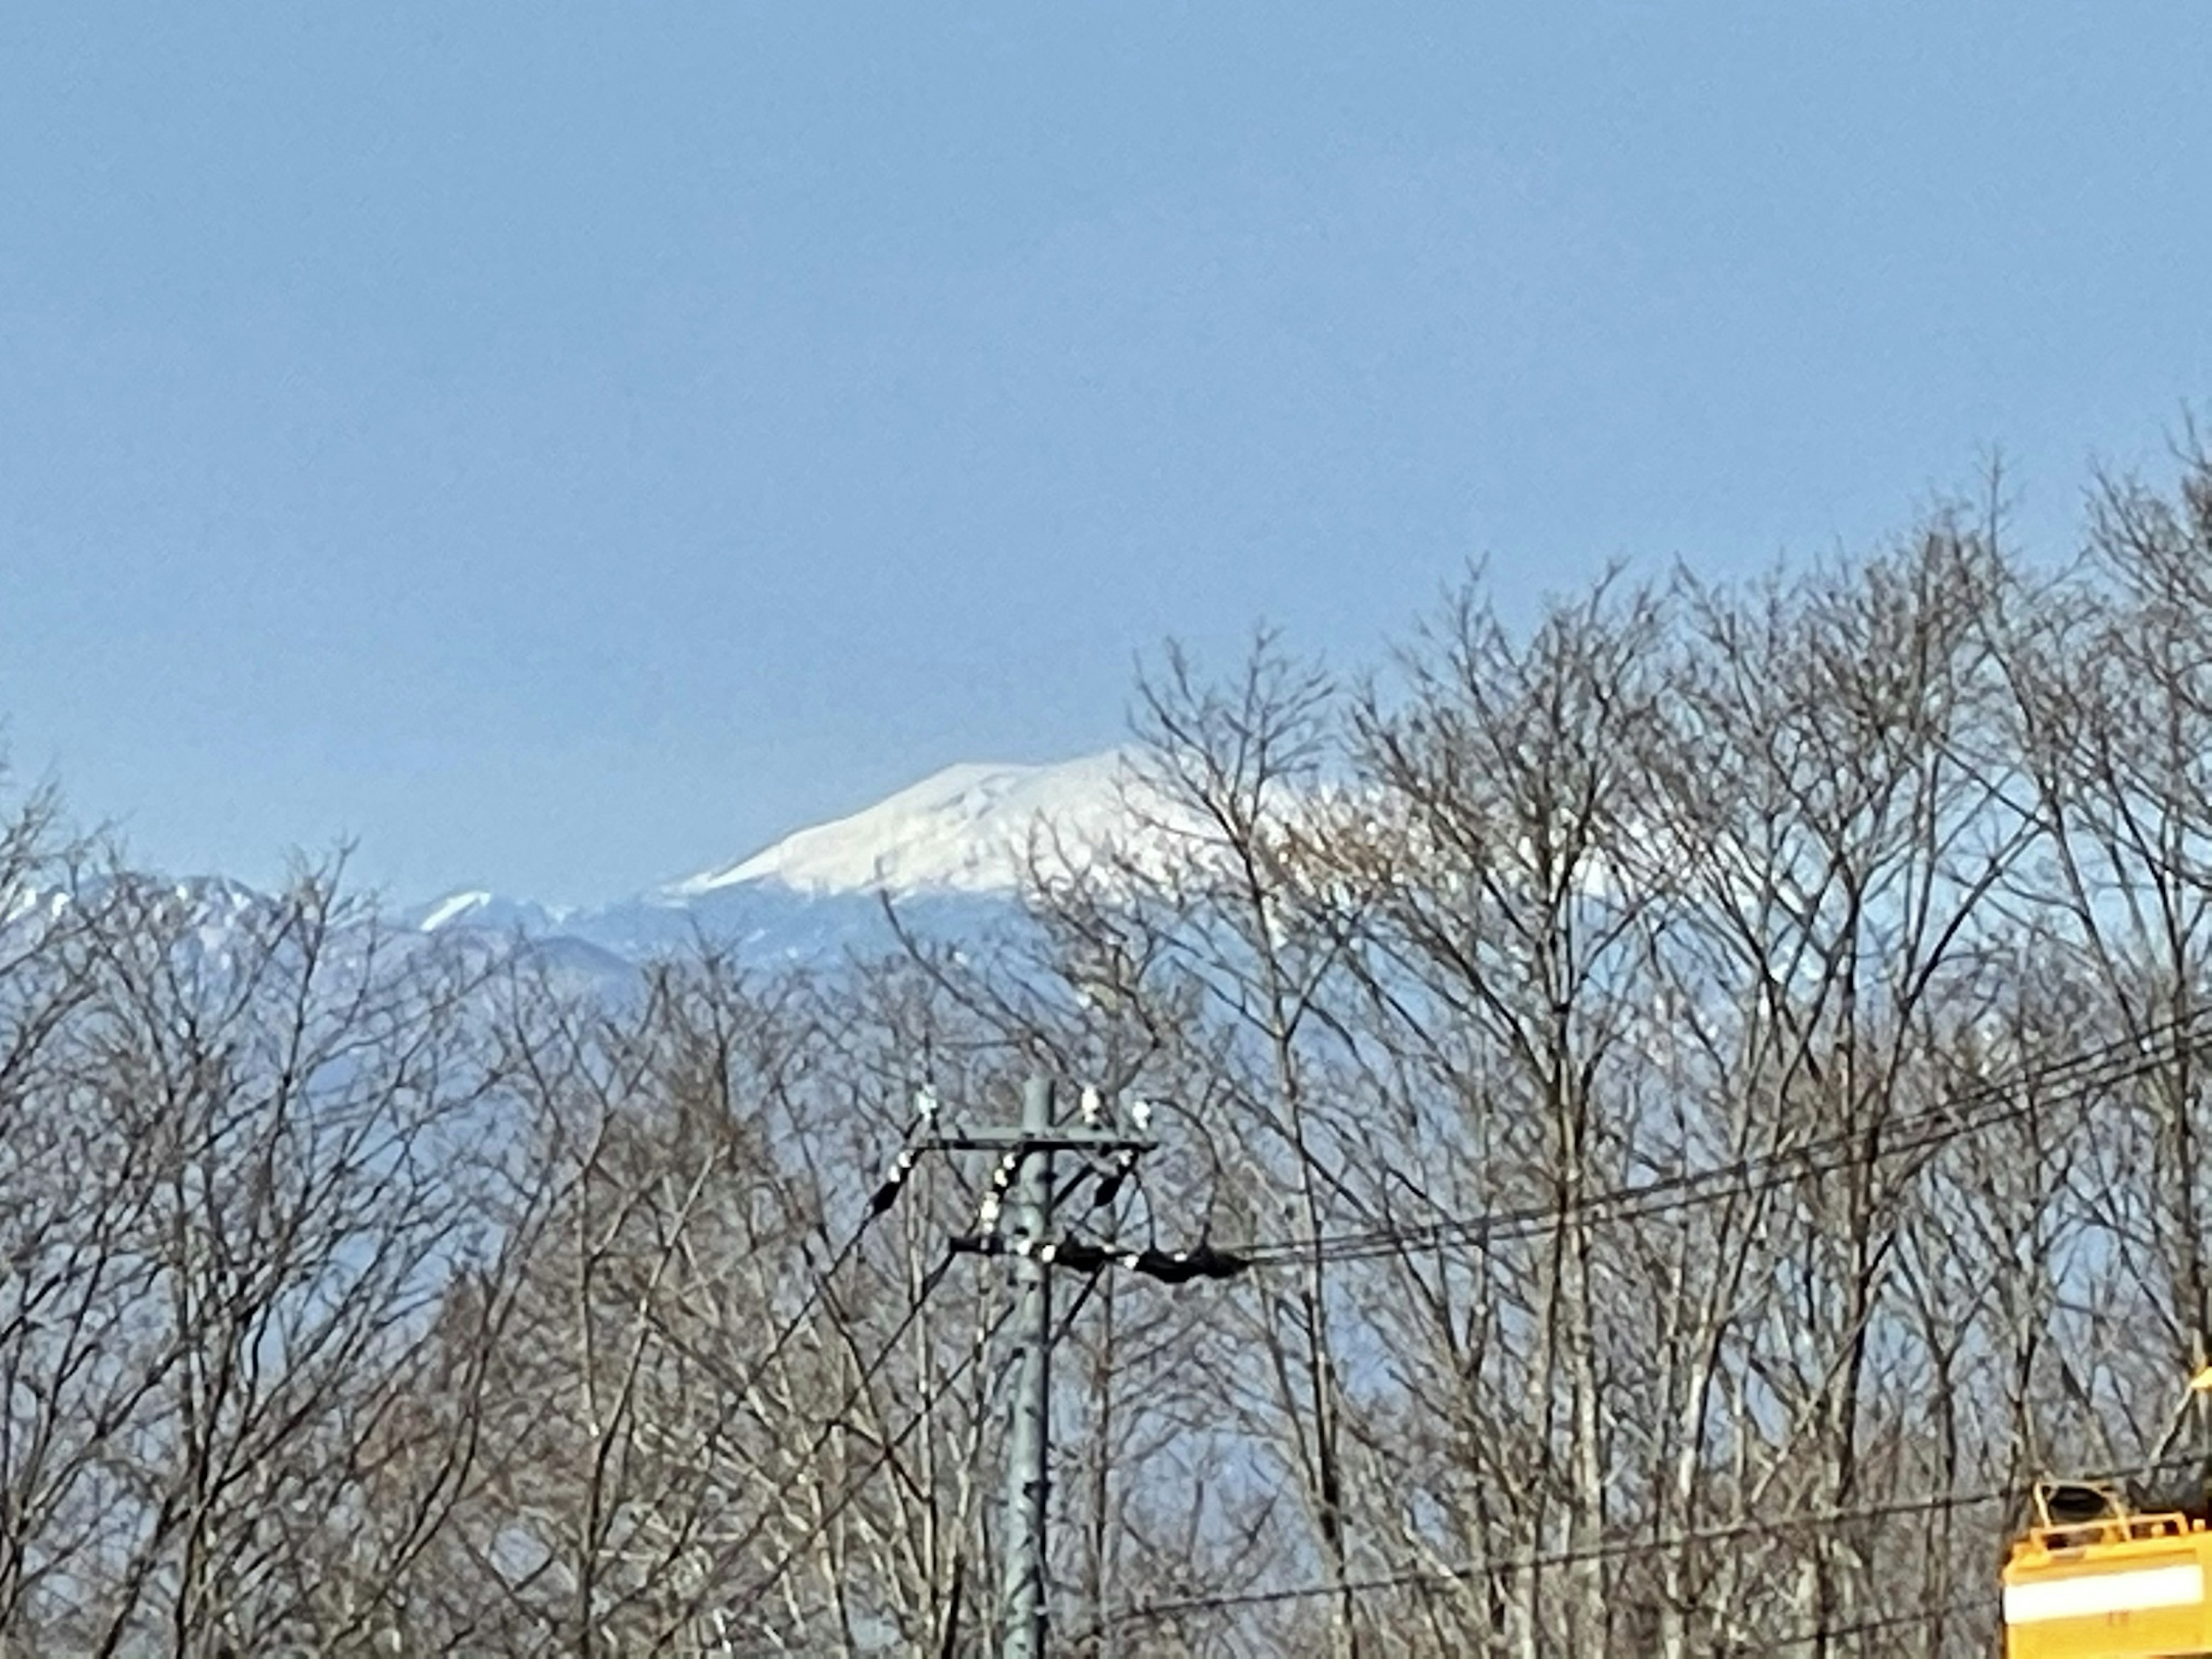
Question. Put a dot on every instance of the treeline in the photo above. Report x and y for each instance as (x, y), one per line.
(1712, 1084)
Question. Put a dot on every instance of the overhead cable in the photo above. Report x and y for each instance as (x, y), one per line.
(2076, 1078)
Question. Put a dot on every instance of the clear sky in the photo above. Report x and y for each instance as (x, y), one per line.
(564, 446)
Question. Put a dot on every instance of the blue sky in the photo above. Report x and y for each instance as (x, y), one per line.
(564, 446)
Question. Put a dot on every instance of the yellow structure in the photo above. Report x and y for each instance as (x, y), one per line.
(2093, 1579)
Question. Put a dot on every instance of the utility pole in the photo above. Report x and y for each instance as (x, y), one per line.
(1022, 1593)
(1023, 1180)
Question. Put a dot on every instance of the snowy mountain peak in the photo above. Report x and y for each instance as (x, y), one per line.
(451, 908)
(967, 829)
(473, 907)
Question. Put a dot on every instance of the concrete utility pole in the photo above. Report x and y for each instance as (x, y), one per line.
(1028, 1215)
(1024, 1176)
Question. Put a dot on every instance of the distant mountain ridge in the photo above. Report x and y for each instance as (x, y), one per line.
(949, 852)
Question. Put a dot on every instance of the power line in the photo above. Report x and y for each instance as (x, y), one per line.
(884, 1452)
(730, 1554)
(880, 1203)
(738, 1390)
(1506, 1566)
(1973, 1602)
(739, 1386)
(1616, 1549)
(2111, 1064)
(2077, 1075)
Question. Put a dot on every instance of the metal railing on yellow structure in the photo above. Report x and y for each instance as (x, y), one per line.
(2093, 1578)
(2110, 1585)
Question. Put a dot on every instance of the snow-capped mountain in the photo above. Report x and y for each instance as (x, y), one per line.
(950, 852)
(966, 829)
(949, 855)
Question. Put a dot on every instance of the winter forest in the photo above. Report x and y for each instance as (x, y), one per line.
(1710, 1081)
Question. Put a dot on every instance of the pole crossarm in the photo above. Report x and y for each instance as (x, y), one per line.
(1170, 1266)
(1020, 1141)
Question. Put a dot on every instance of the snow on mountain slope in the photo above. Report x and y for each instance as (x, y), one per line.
(452, 907)
(967, 829)
(950, 851)
(482, 912)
